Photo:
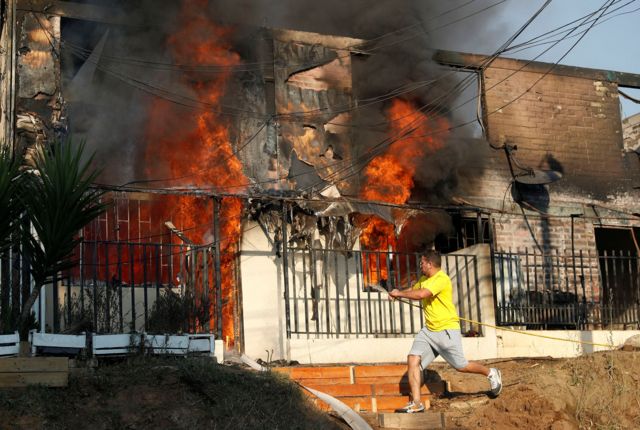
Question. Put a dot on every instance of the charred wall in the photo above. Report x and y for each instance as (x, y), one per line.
(303, 91)
(560, 118)
(40, 111)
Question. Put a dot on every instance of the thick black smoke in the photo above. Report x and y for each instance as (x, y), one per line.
(402, 37)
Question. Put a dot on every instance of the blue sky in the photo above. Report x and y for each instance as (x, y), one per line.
(612, 45)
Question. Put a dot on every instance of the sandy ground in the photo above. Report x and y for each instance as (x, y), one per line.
(596, 391)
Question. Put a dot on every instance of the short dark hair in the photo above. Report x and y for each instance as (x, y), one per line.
(433, 257)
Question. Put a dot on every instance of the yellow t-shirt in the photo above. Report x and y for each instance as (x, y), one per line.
(439, 310)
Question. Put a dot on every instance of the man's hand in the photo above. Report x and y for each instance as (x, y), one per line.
(393, 294)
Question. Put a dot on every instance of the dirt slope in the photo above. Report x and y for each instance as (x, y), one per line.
(597, 391)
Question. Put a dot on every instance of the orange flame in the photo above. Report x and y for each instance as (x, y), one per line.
(389, 178)
(196, 149)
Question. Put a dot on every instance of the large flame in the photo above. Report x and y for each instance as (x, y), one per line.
(195, 148)
(389, 178)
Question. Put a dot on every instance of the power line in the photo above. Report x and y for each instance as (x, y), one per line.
(485, 63)
(384, 145)
(219, 163)
(533, 42)
(386, 140)
(408, 205)
(261, 64)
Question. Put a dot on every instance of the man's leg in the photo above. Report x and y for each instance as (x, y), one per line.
(420, 355)
(414, 372)
(452, 353)
(493, 374)
(474, 367)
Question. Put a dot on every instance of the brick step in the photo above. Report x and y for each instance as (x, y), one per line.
(372, 388)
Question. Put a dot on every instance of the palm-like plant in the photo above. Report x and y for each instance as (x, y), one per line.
(9, 224)
(59, 201)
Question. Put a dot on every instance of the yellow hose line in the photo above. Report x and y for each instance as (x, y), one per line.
(583, 342)
(606, 345)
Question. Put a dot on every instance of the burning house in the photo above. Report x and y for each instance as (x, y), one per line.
(278, 179)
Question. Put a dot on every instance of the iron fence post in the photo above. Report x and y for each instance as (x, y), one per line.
(218, 284)
(285, 268)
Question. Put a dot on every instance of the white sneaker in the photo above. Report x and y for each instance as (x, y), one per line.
(495, 379)
(411, 408)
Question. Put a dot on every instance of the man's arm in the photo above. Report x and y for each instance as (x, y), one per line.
(420, 294)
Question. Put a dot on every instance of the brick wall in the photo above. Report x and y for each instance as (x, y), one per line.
(566, 120)
(511, 233)
(566, 123)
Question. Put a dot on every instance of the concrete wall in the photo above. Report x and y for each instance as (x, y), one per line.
(262, 296)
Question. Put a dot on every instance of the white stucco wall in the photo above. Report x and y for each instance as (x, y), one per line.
(262, 296)
(265, 328)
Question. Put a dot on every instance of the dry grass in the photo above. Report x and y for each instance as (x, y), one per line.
(606, 388)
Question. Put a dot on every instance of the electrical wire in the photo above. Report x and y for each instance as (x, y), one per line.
(260, 65)
(272, 180)
(602, 8)
(555, 32)
(217, 164)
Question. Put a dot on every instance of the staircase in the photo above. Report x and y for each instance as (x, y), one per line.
(372, 388)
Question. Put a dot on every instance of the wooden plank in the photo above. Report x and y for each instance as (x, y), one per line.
(319, 372)
(438, 387)
(390, 404)
(377, 390)
(324, 382)
(49, 379)
(383, 370)
(356, 403)
(34, 364)
(9, 350)
(425, 420)
(54, 340)
(343, 390)
(382, 380)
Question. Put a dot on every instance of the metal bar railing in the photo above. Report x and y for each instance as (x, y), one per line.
(344, 304)
(578, 290)
(108, 290)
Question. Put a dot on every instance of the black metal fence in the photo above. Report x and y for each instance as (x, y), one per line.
(119, 287)
(567, 290)
(329, 293)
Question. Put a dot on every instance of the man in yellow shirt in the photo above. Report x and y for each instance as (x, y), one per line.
(441, 333)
